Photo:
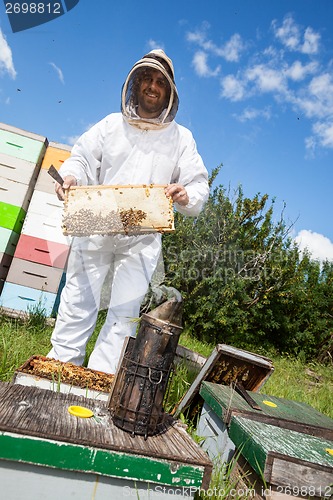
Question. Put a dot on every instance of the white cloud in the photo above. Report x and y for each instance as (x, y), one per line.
(288, 33)
(230, 50)
(253, 113)
(320, 247)
(153, 44)
(232, 88)
(311, 42)
(298, 71)
(310, 146)
(72, 139)
(321, 87)
(316, 102)
(266, 79)
(196, 37)
(58, 71)
(291, 36)
(6, 59)
(201, 67)
(324, 133)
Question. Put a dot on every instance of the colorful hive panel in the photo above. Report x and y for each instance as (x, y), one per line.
(22, 144)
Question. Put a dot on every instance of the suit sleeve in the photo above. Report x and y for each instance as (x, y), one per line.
(85, 160)
(193, 175)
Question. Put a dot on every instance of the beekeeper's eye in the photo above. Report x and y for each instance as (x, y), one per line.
(162, 82)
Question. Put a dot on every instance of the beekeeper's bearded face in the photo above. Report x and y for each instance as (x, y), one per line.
(152, 94)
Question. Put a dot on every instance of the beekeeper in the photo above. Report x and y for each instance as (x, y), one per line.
(141, 145)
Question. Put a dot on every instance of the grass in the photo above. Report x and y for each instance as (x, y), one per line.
(20, 341)
(227, 483)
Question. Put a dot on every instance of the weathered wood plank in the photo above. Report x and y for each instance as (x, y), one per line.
(248, 484)
(190, 357)
(302, 476)
(22, 316)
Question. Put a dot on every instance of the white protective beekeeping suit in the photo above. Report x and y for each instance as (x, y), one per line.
(122, 149)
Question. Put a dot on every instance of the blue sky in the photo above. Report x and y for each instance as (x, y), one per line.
(255, 79)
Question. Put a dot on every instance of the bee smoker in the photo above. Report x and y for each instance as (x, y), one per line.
(136, 401)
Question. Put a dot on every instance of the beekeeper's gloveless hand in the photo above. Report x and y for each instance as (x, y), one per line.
(69, 180)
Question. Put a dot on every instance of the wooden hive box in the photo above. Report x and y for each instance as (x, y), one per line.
(22, 144)
(49, 253)
(44, 218)
(293, 415)
(226, 365)
(15, 193)
(55, 155)
(19, 300)
(292, 464)
(54, 375)
(69, 457)
(8, 241)
(32, 274)
(12, 217)
(282, 442)
(18, 170)
(117, 209)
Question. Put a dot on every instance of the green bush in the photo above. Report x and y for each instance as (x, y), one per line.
(244, 281)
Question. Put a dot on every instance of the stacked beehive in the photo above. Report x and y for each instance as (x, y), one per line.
(36, 274)
(21, 155)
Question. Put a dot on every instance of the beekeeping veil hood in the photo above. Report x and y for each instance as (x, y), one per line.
(157, 60)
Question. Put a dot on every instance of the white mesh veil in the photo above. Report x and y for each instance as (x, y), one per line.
(157, 60)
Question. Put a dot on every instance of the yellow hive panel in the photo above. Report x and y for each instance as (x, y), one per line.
(117, 209)
(55, 156)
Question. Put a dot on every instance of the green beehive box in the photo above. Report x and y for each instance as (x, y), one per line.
(293, 415)
(11, 217)
(295, 463)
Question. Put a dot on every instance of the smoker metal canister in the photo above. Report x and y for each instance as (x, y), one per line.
(136, 402)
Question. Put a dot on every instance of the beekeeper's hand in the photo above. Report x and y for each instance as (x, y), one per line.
(178, 194)
(69, 180)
